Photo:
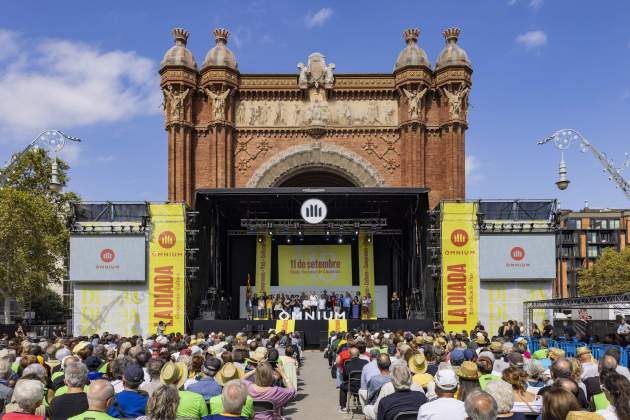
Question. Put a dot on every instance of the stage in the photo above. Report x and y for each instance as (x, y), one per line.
(314, 333)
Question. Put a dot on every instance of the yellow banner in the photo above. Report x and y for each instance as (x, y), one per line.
(338, 325)
(167, 298)
(263, 265)
(366, 271)
(315, 265)
(460, 266)
(286, 325)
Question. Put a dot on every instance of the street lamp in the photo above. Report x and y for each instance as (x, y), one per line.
(54, 140)
(562, 139)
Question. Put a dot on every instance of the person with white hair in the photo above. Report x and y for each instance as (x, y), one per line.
(403, 398)
(5, 374)
(502, 393)
(233, 397)
(27, 398)
(480, 406)
(100, 397)
(74, 401)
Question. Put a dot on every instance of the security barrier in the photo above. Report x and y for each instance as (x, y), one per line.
(570, 348)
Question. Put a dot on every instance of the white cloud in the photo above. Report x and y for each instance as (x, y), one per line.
(9, 42)
(471, 170)
(532, 39)
(318, 18)
(536, 4)
(65, 84)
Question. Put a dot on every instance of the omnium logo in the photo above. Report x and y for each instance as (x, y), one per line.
(517, 253)
(167, 239)
(459, 237)
(107, 255)
(313, 211)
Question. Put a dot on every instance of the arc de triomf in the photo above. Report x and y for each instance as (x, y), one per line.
(315, 127)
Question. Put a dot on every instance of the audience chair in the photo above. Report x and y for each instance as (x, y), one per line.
(265, 406)
(354, 384)
(406, 415)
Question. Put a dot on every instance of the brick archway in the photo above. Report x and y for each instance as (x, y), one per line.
(316, 156)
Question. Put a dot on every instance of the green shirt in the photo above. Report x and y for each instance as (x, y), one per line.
(488, 377)
(191, 405)
(216, 406)
(91, 414)
(64, 388)
(103, 368)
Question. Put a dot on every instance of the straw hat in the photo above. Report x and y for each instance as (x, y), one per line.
(418, 363)
(441, 341)
(80, 346)
(481, 340)
(228, 372)
(496, 347)
(257, 357)
(468, 370)
(428, 339)
(174, 373)
(583, 415)
(555, 353)
(419, 340)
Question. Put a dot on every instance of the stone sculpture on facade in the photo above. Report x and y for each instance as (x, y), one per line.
(174, 101)
(414, 99)
(455, 100)
(218, 103)
(316, 73)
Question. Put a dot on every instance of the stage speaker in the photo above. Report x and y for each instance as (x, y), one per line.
(208, 315)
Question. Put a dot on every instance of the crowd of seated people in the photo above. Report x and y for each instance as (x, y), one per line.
(438, 375)
(313, 303)
(165, 377)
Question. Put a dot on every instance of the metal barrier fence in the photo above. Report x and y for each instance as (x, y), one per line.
(570, 348)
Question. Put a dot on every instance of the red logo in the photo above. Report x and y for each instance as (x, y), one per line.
(108, 255)
(167, 239)
(517, 253)
(459, 237)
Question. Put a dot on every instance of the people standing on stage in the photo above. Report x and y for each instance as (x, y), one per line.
(248, 307)
(255, 306)
(347, 304)
(395, 305)
(366, 303)
(321, 305)
(269, 306)
(261, 306)
(277, 306)
(355, 308)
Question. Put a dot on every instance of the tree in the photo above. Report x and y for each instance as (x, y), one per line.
(48, 306)
(33, 227)
(608, 276)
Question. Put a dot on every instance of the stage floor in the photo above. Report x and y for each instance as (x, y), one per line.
(315, 332)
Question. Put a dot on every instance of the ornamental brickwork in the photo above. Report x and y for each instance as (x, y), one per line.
(228, 129)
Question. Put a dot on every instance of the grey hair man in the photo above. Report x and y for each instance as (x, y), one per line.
(5, 375)
(502, 393)
(28, 395)
(622, 370)
(233, 397)
(480, 406)
(74, 401)
(403, 399)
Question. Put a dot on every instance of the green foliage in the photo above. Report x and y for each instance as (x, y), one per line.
(48, 306)
(33, 227)
(608, 276)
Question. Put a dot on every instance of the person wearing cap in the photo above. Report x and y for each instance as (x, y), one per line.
(93, 364)
(100, 397)
(130, 402)
(191, 405)
(207, 386)
(485, 363)
(445, 406)
(589, 367)
(457, 358)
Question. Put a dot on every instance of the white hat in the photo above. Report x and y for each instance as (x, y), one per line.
(195, 350)
(446, 379)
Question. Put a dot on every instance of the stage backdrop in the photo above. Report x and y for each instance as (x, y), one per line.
(315, 265)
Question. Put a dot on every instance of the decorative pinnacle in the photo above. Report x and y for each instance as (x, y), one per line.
(221, 35)
(451, 34)
(411, 35)
(181, 36)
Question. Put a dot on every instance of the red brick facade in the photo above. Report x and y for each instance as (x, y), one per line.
(229, 130)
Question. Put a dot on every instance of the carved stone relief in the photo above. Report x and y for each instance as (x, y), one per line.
(456, 101)
(247, 154)
(374, 113)
(386, 151)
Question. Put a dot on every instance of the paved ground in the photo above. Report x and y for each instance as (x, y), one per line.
(317, 397)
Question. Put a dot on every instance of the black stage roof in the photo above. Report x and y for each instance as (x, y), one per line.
(397, 205)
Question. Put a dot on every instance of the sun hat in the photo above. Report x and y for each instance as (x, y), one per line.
(555, 353)
(80, 346)
(441, 341)
(174, 373)
(496, 347)
(468, 370)
(228, 372)
(481, 340)
(446, 379)
(486, 355)
(515, 359)
(418, 363)
(428, 339)
(419, 340)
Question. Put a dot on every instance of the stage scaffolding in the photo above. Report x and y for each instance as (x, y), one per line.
(621, 301)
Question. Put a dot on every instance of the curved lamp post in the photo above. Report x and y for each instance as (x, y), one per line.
(54, 140)
(563, 139)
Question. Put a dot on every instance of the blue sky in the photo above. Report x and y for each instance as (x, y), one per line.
(90, 68)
